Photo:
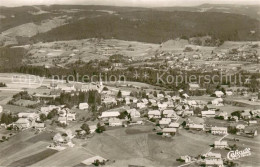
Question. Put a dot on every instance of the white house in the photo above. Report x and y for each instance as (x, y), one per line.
(62, 120)
(23, 123)
(193, 126)
(71, 116)
(217, 102)
(115, 122)
(168, 113)
(220, 144)
(92, 128)
(154, 114)
(215, 163)
(169, 131)
(229, 93)
(165, 121)
(224, 115)
(188, 113)
(162, 106)
(134, 113)
(141, 105)
(219, 93)
(107, 114)
(186, 158)
(208, 114)
(219, 130)
(174, 125)
(212, 156)
(83, 106)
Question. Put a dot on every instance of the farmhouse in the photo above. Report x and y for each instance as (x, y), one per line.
(169, 131)
(219, 130)
(22, 123)
(212, 156)
(141, 105)
(220, 144)
(154, 114)
(39, 126)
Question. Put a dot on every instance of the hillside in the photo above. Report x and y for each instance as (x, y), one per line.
(157, 26)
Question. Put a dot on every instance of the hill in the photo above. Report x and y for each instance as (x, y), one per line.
(157, 26)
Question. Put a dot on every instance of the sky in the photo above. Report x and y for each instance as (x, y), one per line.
(141, 3)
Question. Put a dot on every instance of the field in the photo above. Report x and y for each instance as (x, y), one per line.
(138, 146)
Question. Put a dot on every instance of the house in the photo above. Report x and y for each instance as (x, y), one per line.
(174, 125)
(214, 163)
(219, 94)
(134, 113)
(92, 160)
(62, 120)
(220, 144)
(193, 126)
(246, 114)
(185, 158)
(71, 116)
(186, 95)
(92, 128)
(224, 115)
(46, 110)
(154, 114)
(169, 131)
(217, 102)
(212, 156)
(168, 113)
(109, 100)
(109, 114)
(208, 114)
(229, 93)
(162, 106)
(33, 116)
(39, 126)
(141, 105)
(160, 96)
(165, 121)
(187, 113)
(23, 123)
(194, 86)
(115, 122)
(250, 122)
(240, 127)
(251, 131)
(219, 130)
(83, 106)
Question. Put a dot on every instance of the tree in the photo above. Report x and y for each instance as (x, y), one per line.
(205, 108)
(119, 94)
(43, 117)
(100, 129)
(184, 123)
(86, 128)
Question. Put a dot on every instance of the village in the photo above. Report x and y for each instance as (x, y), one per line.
(67, 115)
